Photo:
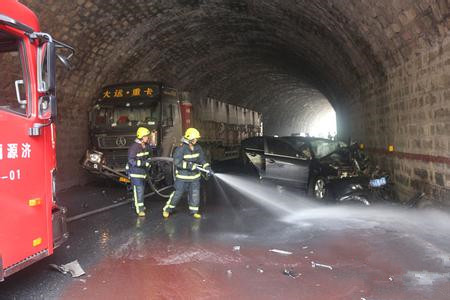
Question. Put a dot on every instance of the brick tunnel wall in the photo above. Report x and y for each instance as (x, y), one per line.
(410, 110)
(381, 64)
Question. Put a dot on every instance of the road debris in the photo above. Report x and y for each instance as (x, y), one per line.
(391, 278)
(236, 248)
(314, 265)
(260, 270)
(73, 268)
(305, 247)
(291, 273)
(229, 273)
(280, 251)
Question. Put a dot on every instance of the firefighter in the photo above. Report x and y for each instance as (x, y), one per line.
(138, 164)
(186, 159)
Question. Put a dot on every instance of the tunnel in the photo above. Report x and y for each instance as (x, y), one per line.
(382, 67)
(372, 77)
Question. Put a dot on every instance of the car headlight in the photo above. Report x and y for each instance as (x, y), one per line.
(356, 187)
(95, 158)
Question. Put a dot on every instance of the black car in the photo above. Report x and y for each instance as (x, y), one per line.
(323, 168)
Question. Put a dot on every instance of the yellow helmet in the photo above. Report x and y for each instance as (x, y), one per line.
(141, 132)
(192, 133)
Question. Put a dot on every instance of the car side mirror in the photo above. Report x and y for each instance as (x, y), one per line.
(303, 156)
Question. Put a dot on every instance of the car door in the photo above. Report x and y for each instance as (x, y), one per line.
(285, 164)
(253, 149)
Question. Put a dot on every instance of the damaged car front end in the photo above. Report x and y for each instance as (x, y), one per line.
(335, 175)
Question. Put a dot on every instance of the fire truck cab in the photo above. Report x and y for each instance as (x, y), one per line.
(31, 223)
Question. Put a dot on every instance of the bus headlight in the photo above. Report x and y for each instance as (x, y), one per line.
(95, 157)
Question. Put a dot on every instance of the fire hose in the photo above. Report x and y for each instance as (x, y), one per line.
(207, 172)
(150, 182)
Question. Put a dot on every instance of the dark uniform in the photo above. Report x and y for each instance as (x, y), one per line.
(187, 177)
(137, 167)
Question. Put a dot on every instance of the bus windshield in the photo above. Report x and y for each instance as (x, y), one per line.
(121, 117)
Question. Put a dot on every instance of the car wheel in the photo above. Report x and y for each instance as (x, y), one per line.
(319, 189)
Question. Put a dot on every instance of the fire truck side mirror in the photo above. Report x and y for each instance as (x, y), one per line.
(47, 107)
(46, 68)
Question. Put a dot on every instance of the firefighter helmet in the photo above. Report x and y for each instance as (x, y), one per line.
(191, 133)
(141, 132)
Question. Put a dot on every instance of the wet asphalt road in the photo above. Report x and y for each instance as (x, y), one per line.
(370, 255)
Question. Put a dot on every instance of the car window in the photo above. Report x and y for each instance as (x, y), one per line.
(12, 75)
(279, 147)
(254, 143)
(322, 148)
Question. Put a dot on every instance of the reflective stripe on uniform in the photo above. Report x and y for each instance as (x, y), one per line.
(184, 164)
(187, 176)
(135, 199)
(191, 155)
(142, 154)
(138, 162)
(168, 205)
(195, 208)
(205, 165)
(138, 176)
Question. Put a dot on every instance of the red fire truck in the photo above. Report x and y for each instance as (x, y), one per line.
(31, 223)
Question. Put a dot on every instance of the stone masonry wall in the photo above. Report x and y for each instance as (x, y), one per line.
(411, 111)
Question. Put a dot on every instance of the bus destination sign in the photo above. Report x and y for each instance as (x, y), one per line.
(129, 92)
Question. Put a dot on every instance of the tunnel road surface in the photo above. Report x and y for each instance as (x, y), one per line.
(226, 255)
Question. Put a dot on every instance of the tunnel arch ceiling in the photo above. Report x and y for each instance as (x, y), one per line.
(370, 59)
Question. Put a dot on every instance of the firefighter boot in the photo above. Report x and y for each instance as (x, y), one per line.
(138, 193)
